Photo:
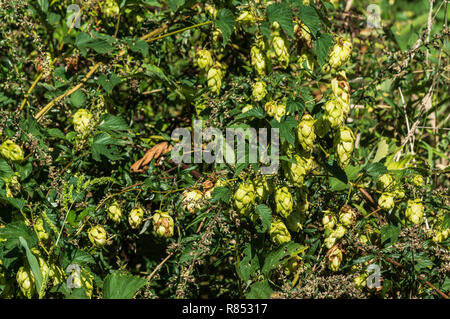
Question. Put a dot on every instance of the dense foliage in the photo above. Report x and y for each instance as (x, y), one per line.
(359, 97)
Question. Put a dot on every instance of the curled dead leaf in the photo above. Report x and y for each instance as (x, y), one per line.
(155, 152)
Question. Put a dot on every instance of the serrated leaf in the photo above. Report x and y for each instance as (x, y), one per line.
(254, 112)
(376, 169)
(221, 194)
(260, 290)
(175, 4)
(118, 286)
(225, 21)
(275, 256)
(281, 13)
(105, 145)
(109, 84)
(390, 232)
(286, 127)
(5, 169)
(84, 41)
(12, 231)
(265, 215)
(309, 16)
(78, 98)
(446, 284)
(249, 264)
(323, 45)
(110, 122)
(138, 46)
(295, 106)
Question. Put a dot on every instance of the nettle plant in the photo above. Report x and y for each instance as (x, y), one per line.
(80, 220)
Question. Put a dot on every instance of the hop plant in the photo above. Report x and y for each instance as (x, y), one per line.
(328, 220)
(81, 120)
(306, 62)
(344, 144)
(338, 232)
(341, 91)
(414, 211)
(258, 60)
(340, 53)
(334, 258)
(26, 282)
(244, 198)
(11, 151)
(163, 224)
(12, 185)
(347, 217)
(334, 113)
(40, 231)
(305, 132)
(190, 200)
(97, 235)
(303, 33)
(262, 188)
(115, 212)
(417, 180)
(386, 182)
(386, 201)
(259, 91)
(247, 108)
(330, 241)
(279, 233)
(215, 75)
(136, 217)
(204, 60)
(280, 50)
(284, 201)
(109, 8)
(84, 279)
(296, 172)
(246, 18)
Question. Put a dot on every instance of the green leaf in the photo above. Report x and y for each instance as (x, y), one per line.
(309, 16)
(5, 169)
(12, 231)
(225, 22)
(265, 215)
(281, 13)
(260, 290)
(376, 169)
(34, 264)
(446, 284)
(175, 4)
(138, 46)
(110, 122)
(390, 232)
(44, 5)
(308, 98)
(84, 41)
(295, 106)
(336, 171)
(78, 98)
(382, 151)
(275, 256)
(286, 127)
(18, 203)
(155, 72)
(323, 46)
(118, 286)
(249, 264)
(109, 84)
(221, 194)
(254, 112)
(104, 144)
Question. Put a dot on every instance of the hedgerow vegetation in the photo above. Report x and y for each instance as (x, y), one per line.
(93, 206)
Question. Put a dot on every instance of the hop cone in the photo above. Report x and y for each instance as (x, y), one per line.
(284, 201)
(305, 132)
(279, 233)
(344, 144)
